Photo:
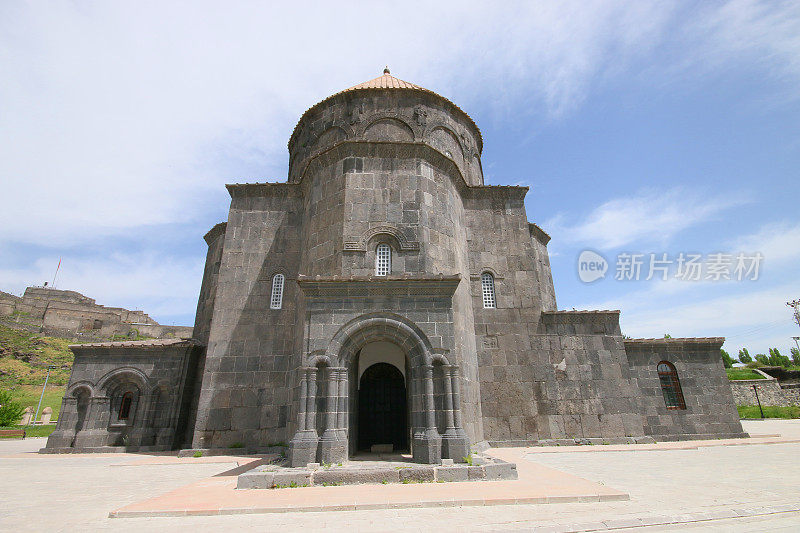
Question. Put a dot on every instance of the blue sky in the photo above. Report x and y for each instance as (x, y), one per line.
(641, 127)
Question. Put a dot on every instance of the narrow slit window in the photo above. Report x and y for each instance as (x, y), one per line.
(383, 260)
(670, 386)
(487, 286)
(125, 406)
(276, 302)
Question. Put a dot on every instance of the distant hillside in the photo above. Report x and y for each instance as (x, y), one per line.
(24, 357)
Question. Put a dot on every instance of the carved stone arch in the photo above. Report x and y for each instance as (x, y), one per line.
(332, 136)
(388, 127)
(447, 137)
(360, 148)
(318, 358)
(439, 358)
(482, 270)
(370, 236)
(76, 387)
(125, 374)
(380, 326)
(279, 269)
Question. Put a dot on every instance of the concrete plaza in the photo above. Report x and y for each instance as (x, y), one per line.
(734, 485)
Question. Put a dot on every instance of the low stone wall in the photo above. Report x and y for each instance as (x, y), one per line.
(769, 392)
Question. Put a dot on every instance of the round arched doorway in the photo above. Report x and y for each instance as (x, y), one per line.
(382, 408)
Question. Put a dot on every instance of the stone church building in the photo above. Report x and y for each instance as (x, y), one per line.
(384, 297)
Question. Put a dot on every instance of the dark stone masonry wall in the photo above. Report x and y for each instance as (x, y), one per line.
(390, 163)
(710, 408)
(245, 391)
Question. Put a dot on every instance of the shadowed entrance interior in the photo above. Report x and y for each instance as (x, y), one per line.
(382, 412)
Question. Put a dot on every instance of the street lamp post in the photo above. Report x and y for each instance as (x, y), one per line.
(755, 389)
(36, 417)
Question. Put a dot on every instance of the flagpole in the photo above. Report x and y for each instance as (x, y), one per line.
(56, 274)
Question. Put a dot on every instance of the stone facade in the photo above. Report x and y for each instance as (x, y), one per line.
(154, 378)
(465, 310)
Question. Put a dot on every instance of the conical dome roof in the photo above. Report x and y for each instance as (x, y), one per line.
(389, 82)
(385, 81)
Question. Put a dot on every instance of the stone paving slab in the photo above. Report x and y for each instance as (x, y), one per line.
(660, 446)
(537, 484)
(670, 521)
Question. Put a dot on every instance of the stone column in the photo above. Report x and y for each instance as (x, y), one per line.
(455, 444)
(332, 448)
(301, 408)
(142, 432)
(95, 431)
(427, 445)
(311, 401)
(303, 446)
(64, 434)
(344, 394)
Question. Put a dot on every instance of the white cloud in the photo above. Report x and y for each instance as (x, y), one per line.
(157, 284)
(766, 34)
(648, 216)
(120, 118)
(779, 243)
(749, 316)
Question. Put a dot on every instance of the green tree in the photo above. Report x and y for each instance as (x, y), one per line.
(727, 360)
(761, 358)
(776, 359)
(10, 411)
(795, 356)
(744, 356)
(667, 336)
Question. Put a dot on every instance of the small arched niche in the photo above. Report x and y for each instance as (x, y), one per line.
(389, 129)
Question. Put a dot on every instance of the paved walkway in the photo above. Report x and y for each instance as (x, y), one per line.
(753, 487)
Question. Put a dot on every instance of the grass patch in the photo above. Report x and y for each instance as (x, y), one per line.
(24, 358)
(28, 396)
(770, 411)
(735, 374)
(32, 431)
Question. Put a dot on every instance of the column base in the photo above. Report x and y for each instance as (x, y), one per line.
(455, 445)
(427, 447)
(60, 439)
(91, 438)
(303, 448)
(332, 449)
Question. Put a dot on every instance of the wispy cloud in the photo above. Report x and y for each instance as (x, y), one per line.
(120, 120)
(160, 285)
(653, 216)
(751, 316)
(778, 242)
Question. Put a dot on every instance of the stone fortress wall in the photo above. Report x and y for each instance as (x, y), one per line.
(69, 313)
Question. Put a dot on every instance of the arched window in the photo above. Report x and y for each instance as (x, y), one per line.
(125, 406)
(383, 260)
(276, 301)
(487, 287)
(670, 386)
